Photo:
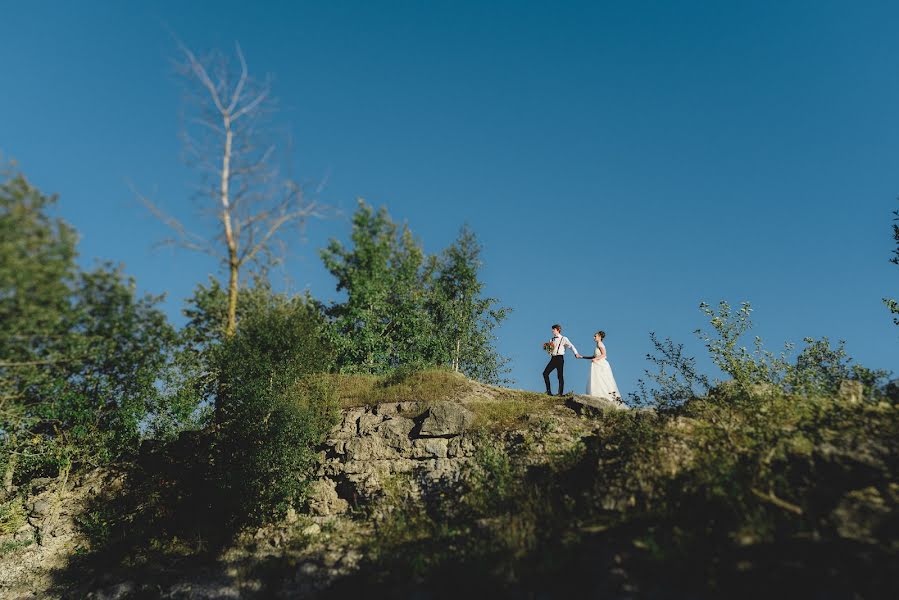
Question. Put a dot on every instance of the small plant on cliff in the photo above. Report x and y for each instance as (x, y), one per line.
(817, 370)
(891, 303)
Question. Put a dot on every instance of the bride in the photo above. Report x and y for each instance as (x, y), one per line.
(601, 382)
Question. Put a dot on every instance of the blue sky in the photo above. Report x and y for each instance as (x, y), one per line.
(621, 162)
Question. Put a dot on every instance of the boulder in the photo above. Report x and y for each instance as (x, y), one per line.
(323, 499)
(41, 508)
(430, 448)
(396, 432)
(371, 448)
(367, 423)
(592, 406)
(446, 419)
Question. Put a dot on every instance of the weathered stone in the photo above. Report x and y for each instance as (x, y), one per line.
(323, 498)
(592, 406)
(313, 529)
(454, 448)
(367, 423)
(851, 392)
(446, 419)
(430, 448)
(396, 431)
(369, 448)
(25, 533)
(347, 427)
(41, 508)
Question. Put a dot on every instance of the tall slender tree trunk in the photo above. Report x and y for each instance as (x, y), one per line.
(233, 262)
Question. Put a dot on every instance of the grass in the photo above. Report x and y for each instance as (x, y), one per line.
(11, 547)
(508, 408)
(496, 409)
(12, 516)
(424, 387)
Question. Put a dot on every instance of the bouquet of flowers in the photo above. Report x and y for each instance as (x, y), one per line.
(549, 347)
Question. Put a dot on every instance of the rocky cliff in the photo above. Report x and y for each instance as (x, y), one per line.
(484, 489)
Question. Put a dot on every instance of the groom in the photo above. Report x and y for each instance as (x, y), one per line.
(557, 359)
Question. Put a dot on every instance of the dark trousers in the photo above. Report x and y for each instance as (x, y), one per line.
(556, 362)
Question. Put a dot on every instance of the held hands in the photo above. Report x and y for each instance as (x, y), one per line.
(577, 356)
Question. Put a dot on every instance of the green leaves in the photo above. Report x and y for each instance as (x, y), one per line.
(892, 305)
(80, 352)
(272, 414)
(404, 308)
(465, 318)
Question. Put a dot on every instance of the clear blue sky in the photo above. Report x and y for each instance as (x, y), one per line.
(621, 161)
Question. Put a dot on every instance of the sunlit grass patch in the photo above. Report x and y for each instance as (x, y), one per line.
(508, 408)
(12, 516)
(424, 387)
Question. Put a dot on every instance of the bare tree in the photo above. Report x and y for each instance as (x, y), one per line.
(225, 139)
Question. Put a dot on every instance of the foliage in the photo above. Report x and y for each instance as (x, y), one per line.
(892, 304)
(676, 381)
(684, 503)
(380, 325)
(493, 479)
(272, 414)
(80, 352)
(12, 515)
(744, 366)
(464, 318)
(817, 370)
(403, 309)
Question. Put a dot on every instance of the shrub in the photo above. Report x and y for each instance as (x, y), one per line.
(272, 411)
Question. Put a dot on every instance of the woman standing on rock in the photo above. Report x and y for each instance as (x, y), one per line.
(601, 382)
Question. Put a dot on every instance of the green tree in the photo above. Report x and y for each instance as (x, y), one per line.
(37, 268)
(80, 353)
(272, 413)
(892, 304)
(465, 320)
(384, 322)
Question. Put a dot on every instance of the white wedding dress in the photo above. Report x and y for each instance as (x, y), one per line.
(601, 382)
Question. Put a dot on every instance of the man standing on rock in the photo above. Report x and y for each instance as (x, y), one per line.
(557, 359)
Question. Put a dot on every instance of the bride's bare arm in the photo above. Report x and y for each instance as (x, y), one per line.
(600, 353)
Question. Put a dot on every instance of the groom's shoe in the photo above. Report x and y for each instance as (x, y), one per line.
(549, 393)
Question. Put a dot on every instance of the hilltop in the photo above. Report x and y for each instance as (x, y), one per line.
(434, 485)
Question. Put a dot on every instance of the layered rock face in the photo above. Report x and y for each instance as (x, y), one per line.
(373, 444)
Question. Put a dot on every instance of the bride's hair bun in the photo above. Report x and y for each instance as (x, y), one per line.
(601, 334)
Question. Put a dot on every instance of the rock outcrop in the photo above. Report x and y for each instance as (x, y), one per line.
(374, 444)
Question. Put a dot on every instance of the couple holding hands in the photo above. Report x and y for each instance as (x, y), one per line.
(600, 384)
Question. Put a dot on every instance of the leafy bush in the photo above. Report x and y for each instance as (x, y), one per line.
(891, 303)
(817, 370)
(12, 515)
(272, 412)
(80, 352)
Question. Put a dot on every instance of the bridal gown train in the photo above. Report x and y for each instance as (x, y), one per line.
(601, 382)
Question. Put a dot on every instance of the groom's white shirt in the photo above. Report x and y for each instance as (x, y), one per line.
(559, 343)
